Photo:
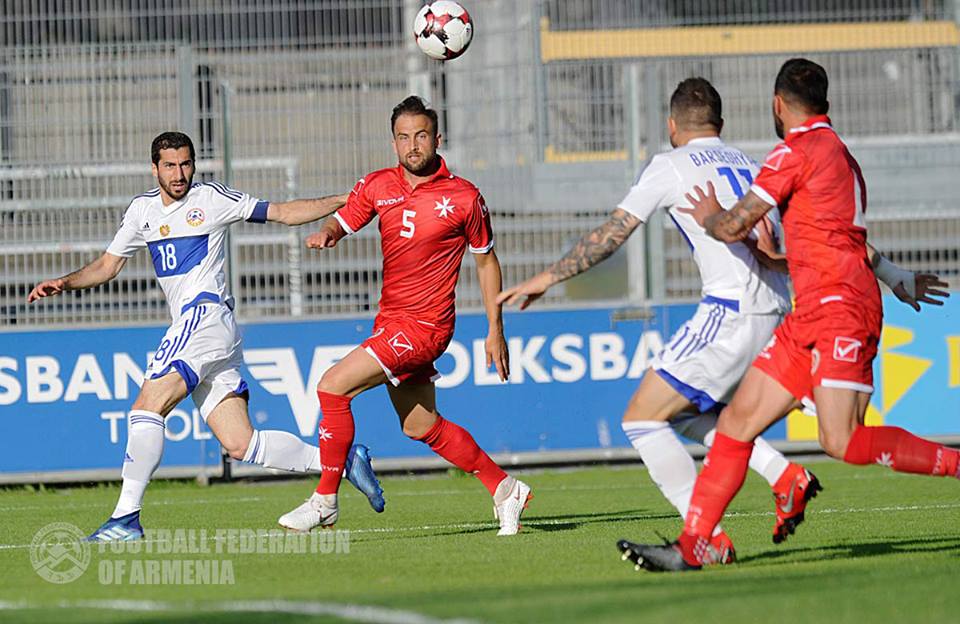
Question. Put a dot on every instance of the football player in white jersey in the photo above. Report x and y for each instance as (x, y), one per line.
(744, 298)
(183, 224)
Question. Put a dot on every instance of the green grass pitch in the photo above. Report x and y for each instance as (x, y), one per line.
(876, 547)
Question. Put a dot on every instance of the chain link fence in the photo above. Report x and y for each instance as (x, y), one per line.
(552, 112)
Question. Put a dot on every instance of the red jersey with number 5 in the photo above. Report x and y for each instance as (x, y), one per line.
(819, 188)
(423, 234)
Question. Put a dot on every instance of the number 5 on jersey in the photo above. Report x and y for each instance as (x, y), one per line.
(408, 226)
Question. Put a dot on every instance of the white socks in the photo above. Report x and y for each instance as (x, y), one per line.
(767, 461)
(670, 466)
(282, 450)
(144, 449)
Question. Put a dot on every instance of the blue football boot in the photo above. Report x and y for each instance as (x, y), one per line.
(122, 529)
(359, 472)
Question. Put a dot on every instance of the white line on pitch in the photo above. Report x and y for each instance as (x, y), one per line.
(227, 500)
(351, 612)
(533, 522)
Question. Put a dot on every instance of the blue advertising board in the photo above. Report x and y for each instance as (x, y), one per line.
(64, 395)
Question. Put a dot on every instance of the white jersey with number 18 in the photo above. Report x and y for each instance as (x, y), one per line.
(186, 240)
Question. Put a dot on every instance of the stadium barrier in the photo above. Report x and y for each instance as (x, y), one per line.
(63, 402)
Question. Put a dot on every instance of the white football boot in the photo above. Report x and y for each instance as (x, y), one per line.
(320, 510)
(512, 497)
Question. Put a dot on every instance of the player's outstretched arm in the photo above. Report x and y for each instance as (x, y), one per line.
(491, 280)
(909, 287)
(592, 249)
(725, 225)
(299, 211)
(329, 234)
(100, 271)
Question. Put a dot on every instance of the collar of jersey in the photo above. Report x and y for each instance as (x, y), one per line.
(713, 140)
(442, 172)
(172, 207)
(814, 123)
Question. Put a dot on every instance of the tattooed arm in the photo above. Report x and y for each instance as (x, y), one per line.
(728, 226)
(592, 249)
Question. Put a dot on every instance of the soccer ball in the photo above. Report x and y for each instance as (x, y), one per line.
(443, 30)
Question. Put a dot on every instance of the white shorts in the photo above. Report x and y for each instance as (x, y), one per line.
(204, 347)
(709, 355)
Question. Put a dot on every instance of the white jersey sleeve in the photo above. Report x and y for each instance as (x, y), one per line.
(236, 205)
(129, 238)
(657, 187)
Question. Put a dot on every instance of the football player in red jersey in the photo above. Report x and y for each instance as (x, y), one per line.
(428, 219)
(825, 347)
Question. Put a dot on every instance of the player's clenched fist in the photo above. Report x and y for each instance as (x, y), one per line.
(321, 240)
(46, 288)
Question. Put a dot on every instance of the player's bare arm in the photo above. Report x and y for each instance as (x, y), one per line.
(592, 249)
(725, 225)
(329, 234)
(100, 271)
(764, 249)
(300, 211)
(909, 287)
(490, 279)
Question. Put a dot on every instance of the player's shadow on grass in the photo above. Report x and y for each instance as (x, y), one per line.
(564, 522)
(569, 522)
(858, 550)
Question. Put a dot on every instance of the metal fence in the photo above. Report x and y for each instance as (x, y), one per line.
(551, 113)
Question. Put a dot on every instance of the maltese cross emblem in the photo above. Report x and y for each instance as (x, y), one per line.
(444, 208)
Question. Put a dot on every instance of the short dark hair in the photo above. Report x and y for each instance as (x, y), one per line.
(170, 140)
(803, 82)
(413, 105)
(695, 103)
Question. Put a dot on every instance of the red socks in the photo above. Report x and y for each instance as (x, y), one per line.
(900, 450)
(335, 439)
(455, 444)
(724, 471)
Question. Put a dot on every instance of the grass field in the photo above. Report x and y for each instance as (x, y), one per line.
(877, 546)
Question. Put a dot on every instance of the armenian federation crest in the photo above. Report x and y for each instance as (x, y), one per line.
(195, 217)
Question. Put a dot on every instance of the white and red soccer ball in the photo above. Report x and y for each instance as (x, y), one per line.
(443, 30)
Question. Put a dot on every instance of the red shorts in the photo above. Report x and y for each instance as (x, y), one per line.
(406, 348)
(832, 346)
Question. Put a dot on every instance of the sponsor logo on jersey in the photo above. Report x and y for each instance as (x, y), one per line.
(483, 205)
(195, 217)
(400, 344)
(146, 226)
(390, 201)
(814, 360)
(444, 208)
(846, 349)
(164, 230)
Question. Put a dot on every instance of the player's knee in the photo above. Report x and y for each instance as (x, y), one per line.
(415, 430)
(327, 383)
(235, 449)
(834, 443)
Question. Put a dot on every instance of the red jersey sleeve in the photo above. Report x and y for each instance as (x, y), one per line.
(780, 175)
(358, 211)
(477, 227)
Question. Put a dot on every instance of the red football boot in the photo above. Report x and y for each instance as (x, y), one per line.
(793, 490)
(721, 550)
